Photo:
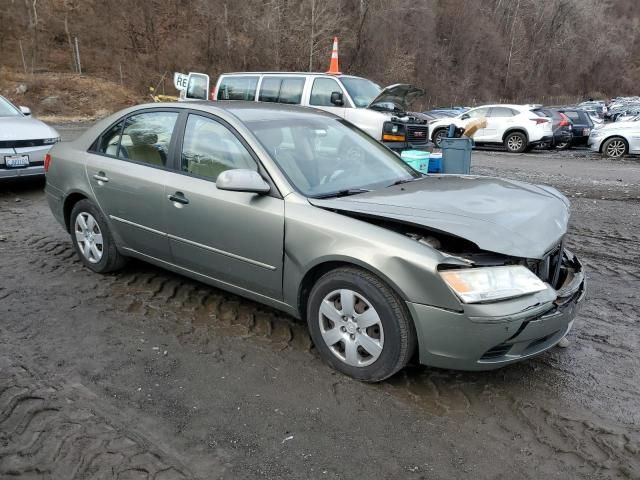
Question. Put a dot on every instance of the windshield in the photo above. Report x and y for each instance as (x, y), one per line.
(7, 109)
(361, 90)
(323, 156)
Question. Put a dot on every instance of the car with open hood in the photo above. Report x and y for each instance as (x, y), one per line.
(384, 113)
(24, 142)
(302, 211)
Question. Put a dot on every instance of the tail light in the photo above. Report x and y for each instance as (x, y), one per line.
(564, 120)
(47, 162)
(214, 93)
(539, 120)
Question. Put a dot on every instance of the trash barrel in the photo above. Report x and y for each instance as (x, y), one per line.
(456, 155)
(417, 159)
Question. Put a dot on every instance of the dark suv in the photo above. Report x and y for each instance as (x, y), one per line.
(582, 125)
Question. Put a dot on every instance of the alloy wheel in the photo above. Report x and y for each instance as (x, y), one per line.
(616, 148)
(514, 143)
(351, 328)
(89, 237)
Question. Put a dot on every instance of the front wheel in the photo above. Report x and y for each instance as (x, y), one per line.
(615, 147)
(438, 135)
(359, 325)
(516, 142)
(92, 238)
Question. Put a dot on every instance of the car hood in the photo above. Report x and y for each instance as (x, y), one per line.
(396, 97)
(24, 128)
(498, 215)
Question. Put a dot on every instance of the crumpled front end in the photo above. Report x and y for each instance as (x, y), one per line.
(490, 335)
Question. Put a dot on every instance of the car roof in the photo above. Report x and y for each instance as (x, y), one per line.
(291, 73)
(246, 111)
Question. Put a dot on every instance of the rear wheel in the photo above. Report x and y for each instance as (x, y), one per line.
(359, 325)
(438, 135)
(516, 142)
(92, 238)
(615, 147)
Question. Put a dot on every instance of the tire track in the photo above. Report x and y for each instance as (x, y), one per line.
(58, 431)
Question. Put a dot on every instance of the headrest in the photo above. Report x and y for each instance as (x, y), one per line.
(142, 137)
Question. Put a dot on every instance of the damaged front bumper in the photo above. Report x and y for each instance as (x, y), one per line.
(491, 335)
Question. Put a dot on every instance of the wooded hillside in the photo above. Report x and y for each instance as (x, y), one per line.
(459, 51)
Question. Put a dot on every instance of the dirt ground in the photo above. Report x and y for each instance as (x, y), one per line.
(146, 374)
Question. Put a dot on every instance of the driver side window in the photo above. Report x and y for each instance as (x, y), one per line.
(321, 92)
(209, 148)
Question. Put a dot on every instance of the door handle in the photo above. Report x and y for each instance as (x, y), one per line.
(101, 177)
(178, 197)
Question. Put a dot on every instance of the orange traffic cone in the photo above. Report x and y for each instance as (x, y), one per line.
(334, 69)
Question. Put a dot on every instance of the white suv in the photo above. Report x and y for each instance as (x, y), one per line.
(382, 113)
(514, 126)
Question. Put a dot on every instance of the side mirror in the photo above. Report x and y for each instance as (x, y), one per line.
(465, 117)
(25, 111)
(337, 99)
(242, 180)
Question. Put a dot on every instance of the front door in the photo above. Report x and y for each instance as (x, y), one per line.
(320, 96)
(127, 172)
(232, 237)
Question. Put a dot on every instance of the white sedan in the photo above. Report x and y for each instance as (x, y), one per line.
(24, 141)
(616, 139)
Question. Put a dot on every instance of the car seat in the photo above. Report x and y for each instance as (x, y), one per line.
(143, 149)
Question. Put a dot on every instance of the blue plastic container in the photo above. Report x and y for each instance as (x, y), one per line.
(417, 159)
(435, 163)
(456, 155)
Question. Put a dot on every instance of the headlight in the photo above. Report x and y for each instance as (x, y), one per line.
(49, 141)
(474, 285)
(392, 132)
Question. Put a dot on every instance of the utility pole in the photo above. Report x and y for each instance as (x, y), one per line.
(78, 56)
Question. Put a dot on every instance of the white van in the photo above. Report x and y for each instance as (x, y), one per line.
(382, 113)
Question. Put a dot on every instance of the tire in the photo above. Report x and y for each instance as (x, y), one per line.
(615, 147)
(92, 239)
(379, 318)
(438, 135)
(516, 142)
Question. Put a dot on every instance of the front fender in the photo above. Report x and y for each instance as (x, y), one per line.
(315, 236)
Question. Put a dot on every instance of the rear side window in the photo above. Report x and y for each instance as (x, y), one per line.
(281, 90)
(146, 137)
(322, 90)
(501, 112)
(110, 140)
(573, 115)
(238, 88)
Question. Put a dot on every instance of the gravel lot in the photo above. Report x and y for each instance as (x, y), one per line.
(147, 374)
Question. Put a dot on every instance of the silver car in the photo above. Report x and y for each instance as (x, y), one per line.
(302, 211)
(616, 139)
(24, 141)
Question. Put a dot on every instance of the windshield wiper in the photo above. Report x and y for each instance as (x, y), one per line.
(400, 182)
(343, 193)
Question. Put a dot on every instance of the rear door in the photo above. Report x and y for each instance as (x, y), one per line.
(233, 237)
(498, 121)
(320, 95)
(127, 171)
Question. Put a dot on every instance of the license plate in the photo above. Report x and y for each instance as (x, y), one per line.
(586, 132)
(16, 161)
